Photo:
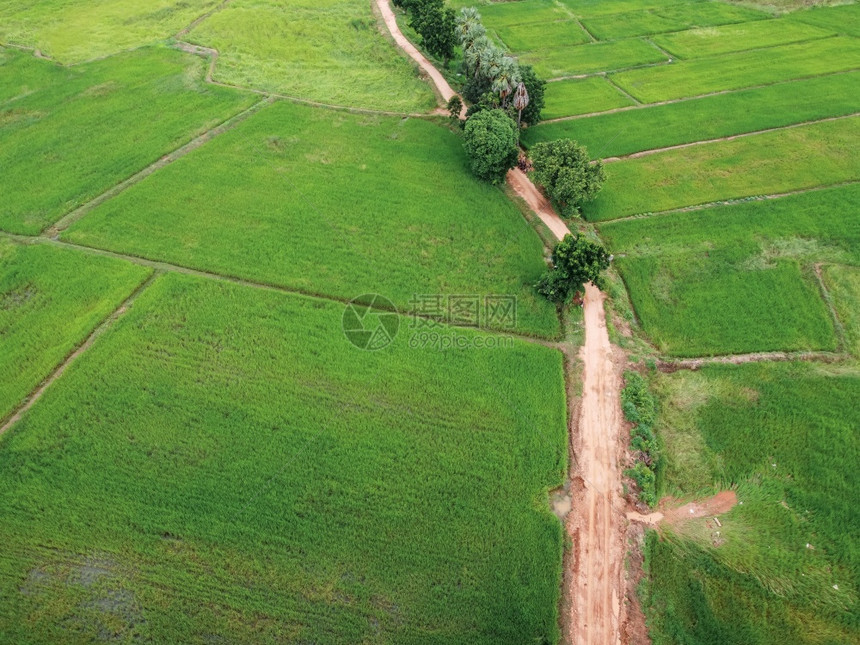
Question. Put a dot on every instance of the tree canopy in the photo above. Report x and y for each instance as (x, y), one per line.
(491, 143)
(576, 260)
(563, 168)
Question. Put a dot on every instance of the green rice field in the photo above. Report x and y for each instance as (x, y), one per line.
(709, 117)
(561, 62)
(580, 96)
(223, 464)
(332, 204)
(807, 156)
(783, 566)
(69, 134)
(331, 52)
(73, 31)
(50, 301)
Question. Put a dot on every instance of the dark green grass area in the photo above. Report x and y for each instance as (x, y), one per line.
(50, 300)
(580, 96)
(69, 134)
(713, 41)
(335, 204)
(672, 17)
(844, 19)
(223, 465)
(784, 567)
(726, 301)
(532, 36)
(807, 156)
(557, 62)
(743, 69)
(738, 278)
(709, 117)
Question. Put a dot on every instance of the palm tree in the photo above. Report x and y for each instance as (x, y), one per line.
(467, 20)
(506, 78)
(477, 55)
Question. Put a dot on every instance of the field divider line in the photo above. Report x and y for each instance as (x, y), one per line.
(571, 77)
(725, 202)
(643, 106)
(673, 364)
(169, 267)
(826, 296)
(194, 23)
(622, 90)
(67, 220)
(111, 318)
(732, 137)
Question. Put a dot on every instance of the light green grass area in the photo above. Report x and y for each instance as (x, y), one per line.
(844, 19)
(535, 36)
(72, 31)
(742, 69)
(222, 465)
(726, 301)
(818, 225)
(591, 8)
(72, 133)
(818, 154)
(331, 52)
(581, 96)
(783, 566)
(738, 278)
(844, 285)
(593, 57)
(708, 117)
(713, 41)
(505, 14)
(672, 17)
(50, 301)
(336, 204)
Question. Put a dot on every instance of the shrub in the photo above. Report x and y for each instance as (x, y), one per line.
(562, 167)
(491, 143)
(640, 408)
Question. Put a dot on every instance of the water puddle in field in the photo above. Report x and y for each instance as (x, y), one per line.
(561, 501)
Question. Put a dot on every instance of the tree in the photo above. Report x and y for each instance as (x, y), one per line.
(535, 88)
(575, 261)
(562, 167)
(436, 25)
(491, 143)
(455, 106)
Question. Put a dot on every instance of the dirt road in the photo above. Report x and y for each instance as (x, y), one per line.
(438, 80)
(596, 523)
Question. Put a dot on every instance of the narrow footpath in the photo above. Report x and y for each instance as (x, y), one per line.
(596, 524)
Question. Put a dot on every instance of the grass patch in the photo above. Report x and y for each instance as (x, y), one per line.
(50, 301)
(844, 285)
(335, 204)
(673, 17)
(223, 464)
(534, 36)
(72, 133)
(727, 301)
(802, 157)
(742, 69)
(73, 31)
(332, 52)
(593, 57)
(581, 96)
(713, 41)
(709, 117)
(784, 565)
(505, 14)
(813, 226)
(844, 19)
(738, 278)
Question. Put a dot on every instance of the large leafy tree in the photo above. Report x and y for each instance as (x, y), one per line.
(535, 87)
(436, 25)
(576, 260)
(491, 143)
(563, 168)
